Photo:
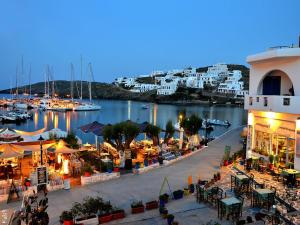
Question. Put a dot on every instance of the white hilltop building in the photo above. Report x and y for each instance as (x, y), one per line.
(166, 83)
(233, 84)
(273, 106)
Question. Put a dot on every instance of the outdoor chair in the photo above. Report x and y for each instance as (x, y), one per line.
(221, 209)
(235, 211)
(213, 195)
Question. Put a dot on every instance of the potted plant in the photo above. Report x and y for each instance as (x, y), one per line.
(164, 197)
(192, 188)
(160, 160)
(151, 205)
(87, 170)
(271, 161)
(118, 214)
(178, 194)
(218, 176)
(104, 213)
(175, 223)
(164, 213)
(67, 218)
(170, 219)
(137, 207)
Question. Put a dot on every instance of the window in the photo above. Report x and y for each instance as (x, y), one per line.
(286, 101)
(265, 101)
(257, 99)
(250, 100)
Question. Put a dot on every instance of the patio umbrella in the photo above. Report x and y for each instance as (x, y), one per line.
(10, 151)
(62, 148)
(8, 134)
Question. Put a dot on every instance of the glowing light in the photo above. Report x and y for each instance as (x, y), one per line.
(250, 119)
(46, 120)
(68, 122)
(298, 124)
(66, 166)
(56, 120)
(36, 119)
(59, 158)
(270, 115)
(154, 114)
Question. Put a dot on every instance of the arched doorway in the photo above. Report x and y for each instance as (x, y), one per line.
(276, 82)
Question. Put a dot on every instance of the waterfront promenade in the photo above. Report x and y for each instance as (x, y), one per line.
(121, 192)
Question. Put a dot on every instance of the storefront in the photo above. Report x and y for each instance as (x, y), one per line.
(272, 134)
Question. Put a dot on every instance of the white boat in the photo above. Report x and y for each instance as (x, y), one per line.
(218, 122)
(86, 107)
(145, 107)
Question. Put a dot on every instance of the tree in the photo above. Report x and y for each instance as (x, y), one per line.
(120, 135)
(72, 140)
(130, 131)
(191, 125)
(152, 132)
(170, 130)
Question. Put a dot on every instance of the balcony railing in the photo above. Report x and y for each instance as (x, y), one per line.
(275, 103)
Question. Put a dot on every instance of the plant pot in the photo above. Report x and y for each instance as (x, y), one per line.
(66, 176)
(151, 205)
(137, 210)
(116, 169)
(87, 174)
(192, 188)
(118, 214)
(225, 162)
(178, 194)
(164, 198)
(170, 220)
(271, 166)
(104, 218)
(68, 222)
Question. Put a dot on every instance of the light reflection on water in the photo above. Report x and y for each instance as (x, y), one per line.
(116, 111)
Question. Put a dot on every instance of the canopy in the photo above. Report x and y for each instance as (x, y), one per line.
(7, 134)
(61, 147)
(91, 127)
(10, 151)
(97, 128)
(34, 133)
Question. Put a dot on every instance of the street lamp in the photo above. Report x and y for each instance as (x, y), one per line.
(41, 139)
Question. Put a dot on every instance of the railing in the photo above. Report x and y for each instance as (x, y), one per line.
(276, 103)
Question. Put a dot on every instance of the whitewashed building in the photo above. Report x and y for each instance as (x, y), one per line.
(273, 106)
(168, 87)
(232, 84)
(139, 88)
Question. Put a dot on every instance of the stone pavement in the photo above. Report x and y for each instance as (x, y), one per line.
(121, 192)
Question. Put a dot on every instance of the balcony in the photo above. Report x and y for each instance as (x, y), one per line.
(274, 103)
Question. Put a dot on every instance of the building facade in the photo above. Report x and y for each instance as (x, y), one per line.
(273, 106)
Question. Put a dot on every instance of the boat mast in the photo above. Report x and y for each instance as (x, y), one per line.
(52, 78)
(72, 78)
(22, 75)
(17, 87)
(29, 76)
(81, 77)
(90, 80)
(48, 80)
(45, 86)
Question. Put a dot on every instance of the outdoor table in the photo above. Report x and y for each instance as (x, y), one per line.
(227, 203)
(240, 178)
(291, 173)
(260, 196)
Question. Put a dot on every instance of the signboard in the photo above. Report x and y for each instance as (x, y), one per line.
(42, 175)
(298, 144)
(127, 154)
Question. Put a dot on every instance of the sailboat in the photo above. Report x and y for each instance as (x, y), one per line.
(87, 106)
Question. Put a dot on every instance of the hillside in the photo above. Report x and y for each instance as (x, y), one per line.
(99, 91)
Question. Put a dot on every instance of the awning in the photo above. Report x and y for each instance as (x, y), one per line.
(31, 133)
(61, 147)
(10, 151)
(90, 127)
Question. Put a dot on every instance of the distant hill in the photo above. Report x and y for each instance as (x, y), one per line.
(99, 90)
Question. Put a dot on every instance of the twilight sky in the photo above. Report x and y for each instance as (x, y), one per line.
(135, 37)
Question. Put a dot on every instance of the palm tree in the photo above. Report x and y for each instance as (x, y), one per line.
(152, 132)
(130, 132)
(170, 130)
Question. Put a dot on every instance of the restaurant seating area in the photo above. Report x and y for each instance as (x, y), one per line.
(251, 190)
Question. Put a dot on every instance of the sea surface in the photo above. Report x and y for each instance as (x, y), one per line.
(114, 111)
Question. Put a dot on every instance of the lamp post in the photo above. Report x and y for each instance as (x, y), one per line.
(41, 139)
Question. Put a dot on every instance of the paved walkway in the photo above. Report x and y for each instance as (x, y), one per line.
(146, 186)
